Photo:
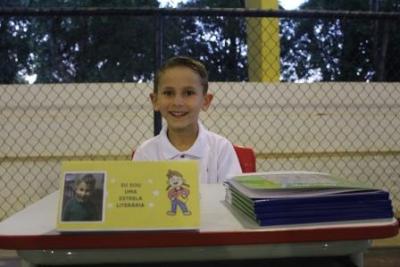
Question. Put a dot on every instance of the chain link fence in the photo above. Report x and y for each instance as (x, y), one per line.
(311, 91)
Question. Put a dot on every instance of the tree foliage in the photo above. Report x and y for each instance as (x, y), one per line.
(78, 48)
(220, 42)
(341, 49)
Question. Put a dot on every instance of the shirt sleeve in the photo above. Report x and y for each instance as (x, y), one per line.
(137, 154)
(148, 150)
(140, 154)
(228, 163)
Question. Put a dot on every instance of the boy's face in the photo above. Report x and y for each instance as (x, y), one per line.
(180, 98)
(83, 192)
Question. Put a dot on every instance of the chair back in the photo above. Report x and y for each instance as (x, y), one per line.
(247, 158)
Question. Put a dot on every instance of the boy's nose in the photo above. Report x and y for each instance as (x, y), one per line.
(178, 100)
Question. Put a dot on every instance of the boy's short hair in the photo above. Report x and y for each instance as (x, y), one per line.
(188, 62)
(87, 179)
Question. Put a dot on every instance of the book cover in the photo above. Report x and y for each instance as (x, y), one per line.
(128, 195)
(292, 184)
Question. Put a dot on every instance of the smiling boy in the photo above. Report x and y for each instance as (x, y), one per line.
(80, 207)
(180, 93)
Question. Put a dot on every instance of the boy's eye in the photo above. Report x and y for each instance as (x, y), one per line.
(167, 93)
(190, 92)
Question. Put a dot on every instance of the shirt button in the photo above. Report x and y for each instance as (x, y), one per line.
(182, 156)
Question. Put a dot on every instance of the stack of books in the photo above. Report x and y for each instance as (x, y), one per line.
(282, 198)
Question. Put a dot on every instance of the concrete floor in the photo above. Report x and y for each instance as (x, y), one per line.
(386, 257)
(378, 256)
(8, 258)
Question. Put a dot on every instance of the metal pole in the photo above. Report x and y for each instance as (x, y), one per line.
(158, 51)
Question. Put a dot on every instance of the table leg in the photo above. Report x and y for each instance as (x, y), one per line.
(357, 259)
(24, 263)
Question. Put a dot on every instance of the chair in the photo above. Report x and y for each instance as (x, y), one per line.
(247, 158)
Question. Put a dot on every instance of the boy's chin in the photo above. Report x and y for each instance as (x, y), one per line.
(80, 199)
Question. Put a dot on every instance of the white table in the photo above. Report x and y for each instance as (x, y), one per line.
(224, 234)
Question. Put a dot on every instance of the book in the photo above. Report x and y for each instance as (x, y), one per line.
(305, 197)
(292, 184)
(128, 195)
(286, 214)
(369, 200)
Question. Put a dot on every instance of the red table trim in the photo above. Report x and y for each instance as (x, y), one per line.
(120, 240)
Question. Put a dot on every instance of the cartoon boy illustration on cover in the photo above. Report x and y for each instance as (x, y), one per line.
(178, 192)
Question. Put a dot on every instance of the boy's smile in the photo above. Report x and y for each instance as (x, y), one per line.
(180, 98)
(178, 113)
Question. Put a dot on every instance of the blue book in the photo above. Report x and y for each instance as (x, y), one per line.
(283, 218)
(356, 199)
(310, 204)
(305, 197)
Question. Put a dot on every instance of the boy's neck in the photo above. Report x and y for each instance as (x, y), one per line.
(183, 140)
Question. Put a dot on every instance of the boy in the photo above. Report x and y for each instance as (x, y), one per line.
(80, 207)
(180, 93)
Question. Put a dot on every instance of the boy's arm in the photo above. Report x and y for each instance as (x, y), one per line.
(228, 163)
(140, 154)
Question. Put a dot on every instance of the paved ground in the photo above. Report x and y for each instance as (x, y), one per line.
(377, 257)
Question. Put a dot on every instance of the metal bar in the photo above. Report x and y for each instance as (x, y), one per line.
(227, 12)
(158, 51)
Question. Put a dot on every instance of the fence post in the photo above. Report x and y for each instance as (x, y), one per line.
(158, 51)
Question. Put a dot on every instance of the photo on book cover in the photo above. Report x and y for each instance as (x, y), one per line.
(83, 197)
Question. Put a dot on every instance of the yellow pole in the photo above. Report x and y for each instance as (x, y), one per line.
(263, 44)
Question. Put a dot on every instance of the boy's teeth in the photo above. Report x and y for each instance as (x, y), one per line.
(175, 113)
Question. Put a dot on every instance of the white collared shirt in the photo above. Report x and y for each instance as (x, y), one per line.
(218, 159)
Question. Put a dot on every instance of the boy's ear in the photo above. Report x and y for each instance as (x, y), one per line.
(207, 101)
(153, 98)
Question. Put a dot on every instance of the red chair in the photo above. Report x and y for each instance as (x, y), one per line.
(247, 158)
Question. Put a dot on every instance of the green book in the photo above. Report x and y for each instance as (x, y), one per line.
(292, 183)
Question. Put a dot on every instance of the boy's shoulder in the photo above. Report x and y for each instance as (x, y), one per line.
(216, 136)
(151, 142)
(215, 139)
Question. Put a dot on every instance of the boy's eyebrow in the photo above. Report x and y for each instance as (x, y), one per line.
(185, 88)
(189, 88)
(164, 89)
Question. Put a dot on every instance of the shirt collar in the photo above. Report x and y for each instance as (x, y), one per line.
(195, 151)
